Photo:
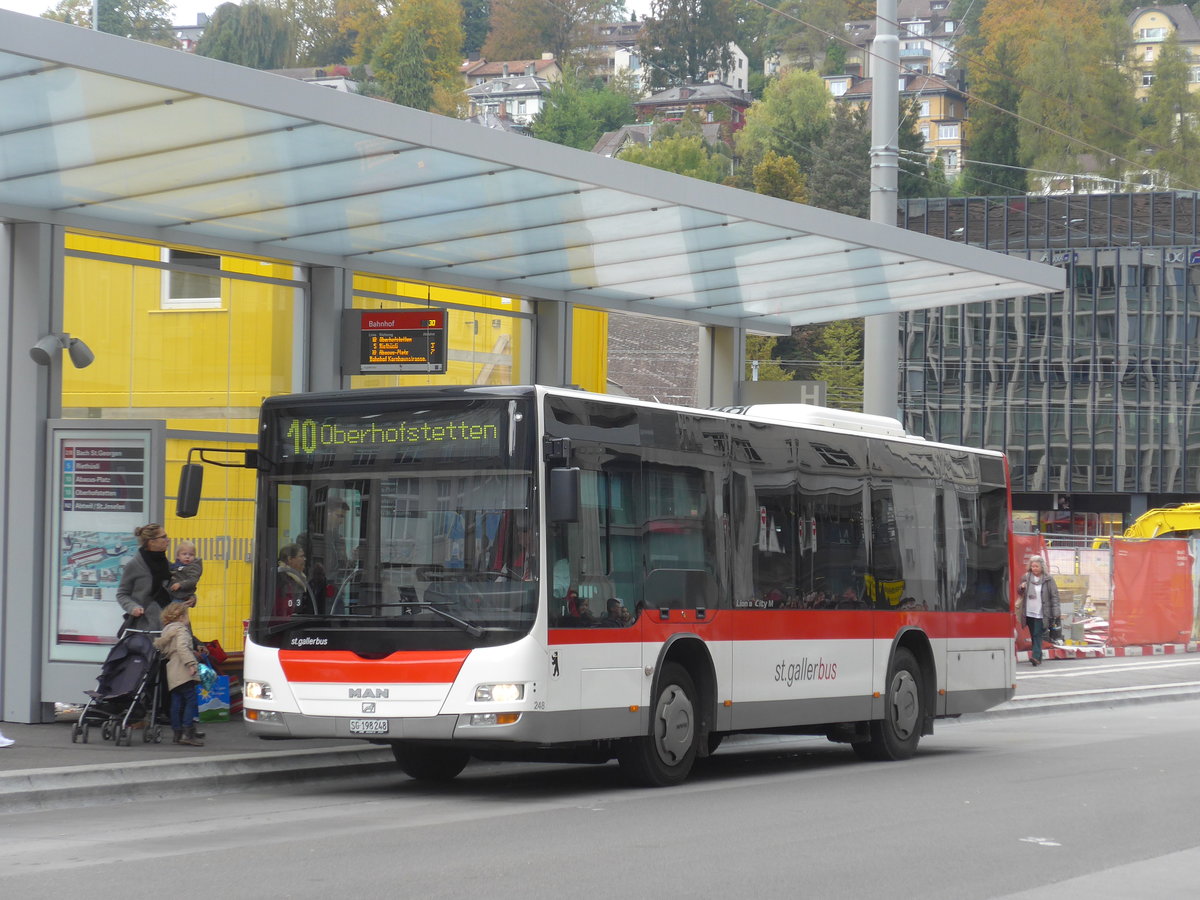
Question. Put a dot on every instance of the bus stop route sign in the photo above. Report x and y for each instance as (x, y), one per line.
(407, 340)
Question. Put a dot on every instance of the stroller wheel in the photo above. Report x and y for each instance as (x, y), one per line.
(106, 731)
(75, 732)
(158, 734)
(84, 731)
(124, 737)
(148, 733)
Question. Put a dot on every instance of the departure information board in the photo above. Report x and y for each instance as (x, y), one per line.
(407, 340)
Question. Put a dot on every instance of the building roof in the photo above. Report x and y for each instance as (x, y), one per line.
(482, 69)
(523, 86)
(104, 133)
(708, 92)
(1179, 15)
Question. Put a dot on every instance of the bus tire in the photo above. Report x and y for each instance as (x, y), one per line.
(430, 763)
(664, 757)
(896, 735)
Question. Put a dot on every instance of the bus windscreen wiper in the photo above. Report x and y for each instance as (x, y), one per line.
(298, 620)
(469, 627)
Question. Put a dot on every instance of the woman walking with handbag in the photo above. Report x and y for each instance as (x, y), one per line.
(1037, 604)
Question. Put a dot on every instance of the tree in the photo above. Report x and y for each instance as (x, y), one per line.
(990, 131)
(142, 20)
(684, 40)
(780, 176)
(840, 179)
(792, 117)
(404, 77)
(575, 115)
(439, 31)
(759, 349)
(841, 358)
(804, 31)
(684, 155)
(476, 22)
(1171, 115)
(525, 29)
(1076, 100)
(252, 35)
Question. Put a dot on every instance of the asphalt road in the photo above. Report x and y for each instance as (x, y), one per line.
(1087, 802)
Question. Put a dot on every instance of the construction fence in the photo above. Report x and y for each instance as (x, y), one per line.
(1129, 593)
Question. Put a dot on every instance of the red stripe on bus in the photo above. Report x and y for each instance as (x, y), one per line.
(795, 625)
(341, 666)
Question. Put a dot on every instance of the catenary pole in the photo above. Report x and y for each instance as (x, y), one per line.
(880, 333)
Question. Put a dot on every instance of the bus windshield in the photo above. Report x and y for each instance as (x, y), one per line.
(400, 528)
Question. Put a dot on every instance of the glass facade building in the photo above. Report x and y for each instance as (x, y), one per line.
(1091, 392)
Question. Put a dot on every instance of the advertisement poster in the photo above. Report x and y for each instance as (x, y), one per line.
(103, 482)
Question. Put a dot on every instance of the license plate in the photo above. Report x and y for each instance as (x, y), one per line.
(368, 726)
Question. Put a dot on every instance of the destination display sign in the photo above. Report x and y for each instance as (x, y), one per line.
(408, 340)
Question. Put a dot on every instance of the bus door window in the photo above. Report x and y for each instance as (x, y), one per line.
(833, 473)
(598, 557)
(680, 533)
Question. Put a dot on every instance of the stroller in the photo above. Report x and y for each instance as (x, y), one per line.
(127, 691)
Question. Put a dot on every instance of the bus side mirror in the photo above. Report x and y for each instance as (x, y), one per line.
(563, 505)
(187, 501)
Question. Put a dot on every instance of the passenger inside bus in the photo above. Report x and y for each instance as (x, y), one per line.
(615, 614)
(293, 593)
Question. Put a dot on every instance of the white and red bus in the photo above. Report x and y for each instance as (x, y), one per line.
(544, 574)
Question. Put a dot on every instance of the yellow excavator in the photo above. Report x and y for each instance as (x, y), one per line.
(1180, 521)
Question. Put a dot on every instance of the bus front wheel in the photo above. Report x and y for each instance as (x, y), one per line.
(664, 757)
(430, 763)
(896, 735)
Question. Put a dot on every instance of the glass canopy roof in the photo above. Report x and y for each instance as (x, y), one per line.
(104, 133)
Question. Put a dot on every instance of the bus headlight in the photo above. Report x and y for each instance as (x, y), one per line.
(257, 690)
(499, 693)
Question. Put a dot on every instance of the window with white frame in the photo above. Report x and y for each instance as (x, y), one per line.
(1194, 74)
(190, 289)
(1152, 34)
(924, 113)
(837, 88)
(1147, 79)
(1148, 54)
(924, 129)
(948, 132)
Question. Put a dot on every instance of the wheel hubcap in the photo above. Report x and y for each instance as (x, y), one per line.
(674, 725)
(905, 705)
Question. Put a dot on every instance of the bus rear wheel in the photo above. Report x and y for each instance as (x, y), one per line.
(664, 757)
(430, 763)
(895, 736)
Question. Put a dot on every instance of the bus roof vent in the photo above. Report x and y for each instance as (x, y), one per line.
(807, 414)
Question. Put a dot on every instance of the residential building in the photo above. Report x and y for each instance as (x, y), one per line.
(714, 103)
(942, 109)
(928, 33)
(611, 143)
(614, 49)
(1094, 393)
(478, 71)
(188, 36)
(335, 77)
(517, 99)
(1149, 26)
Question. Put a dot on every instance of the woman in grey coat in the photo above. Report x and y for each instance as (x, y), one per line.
(142, 592)
(1037, 603)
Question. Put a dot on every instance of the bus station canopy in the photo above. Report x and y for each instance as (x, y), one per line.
(107, 134)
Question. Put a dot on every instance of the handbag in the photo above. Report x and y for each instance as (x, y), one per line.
(207, 675)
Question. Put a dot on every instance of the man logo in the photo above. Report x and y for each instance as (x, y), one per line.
(368, 693)
(368, 707)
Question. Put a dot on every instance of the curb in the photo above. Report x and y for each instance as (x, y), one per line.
(54, 788)
(1060, 651)
(1038, 704)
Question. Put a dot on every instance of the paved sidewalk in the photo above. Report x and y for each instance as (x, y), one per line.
(45, 769)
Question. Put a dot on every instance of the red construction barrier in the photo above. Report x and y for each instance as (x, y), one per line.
(1152, 593)
(1023, 547)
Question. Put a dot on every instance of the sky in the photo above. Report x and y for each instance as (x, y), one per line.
(185, 10)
